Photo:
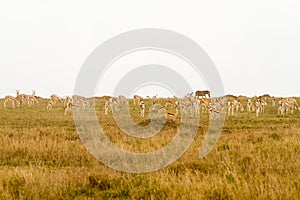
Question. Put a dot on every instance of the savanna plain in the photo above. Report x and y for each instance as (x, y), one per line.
(42, 157)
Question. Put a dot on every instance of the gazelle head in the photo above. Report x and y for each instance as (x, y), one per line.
(18, 92)
(33, 92)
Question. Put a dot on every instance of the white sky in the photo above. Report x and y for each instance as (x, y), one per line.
(149, 57)
(255, 45)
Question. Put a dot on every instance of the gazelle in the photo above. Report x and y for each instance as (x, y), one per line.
(167, 113)
(176, 104)
(154, 99)
(258, 107)
(22, 98)
(215, 110)
(284, 107)
(249, 105)
(55, 98)
(142, 106)
(13, 101)
(273, 101)
(114, 106)
(288, 104)
(262, 105)
(79, 106)
(77, 99)
(67, 100)
(106, 106)
(171, 115)
(68, 107)
(136, 99)
(264, 98)
(204, 104)
(50, 104)
(239, 106)
(230, 105)
(33, 98)
(293, 101)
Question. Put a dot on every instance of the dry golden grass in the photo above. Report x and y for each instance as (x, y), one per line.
(42, 157)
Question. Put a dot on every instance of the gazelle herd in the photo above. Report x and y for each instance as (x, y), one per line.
(287, 105)
(21, 99)
(258, 105)
(189, 105)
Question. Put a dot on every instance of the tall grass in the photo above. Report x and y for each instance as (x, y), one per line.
(42, 157)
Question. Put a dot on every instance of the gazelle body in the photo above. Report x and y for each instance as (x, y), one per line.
(106, 106)
(239, 106)
(11, 99)
(50, 104)
(283, 107)
(203, 104)
(76, 99)
(258, 107)
(33, 98)
(168, 114)
(154, 99)
(215, 110)
(22, 98)
(114, 106)
(136, 99)
(143, 107)
(230, 105)
(273, 101)
(67, 100)
(171, 115)
(249, 105)
(79, 106)
(55, 98)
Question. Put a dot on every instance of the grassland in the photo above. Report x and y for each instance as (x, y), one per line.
(42, 157)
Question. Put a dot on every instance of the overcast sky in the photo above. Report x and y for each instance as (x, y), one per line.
(255, 45)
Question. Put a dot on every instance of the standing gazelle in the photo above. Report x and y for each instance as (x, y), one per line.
(143, 106)
(67, 100)
(136, 99)
(249, 105)
(13, 101)
(22, 97)
(258, 107)
(231, 105)
(106, 106)
(33, 98)
(55, 98)
(50, 104)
